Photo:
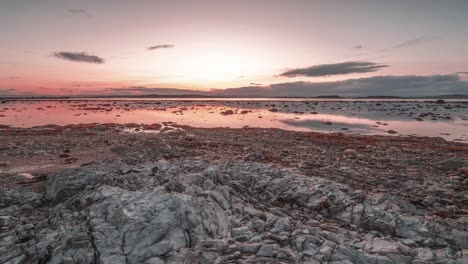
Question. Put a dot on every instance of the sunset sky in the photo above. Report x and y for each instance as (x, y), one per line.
(296, 48)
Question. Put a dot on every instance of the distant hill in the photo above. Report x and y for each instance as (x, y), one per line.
(328, 96)
(381, 97)
(447, 96)
(188, 96)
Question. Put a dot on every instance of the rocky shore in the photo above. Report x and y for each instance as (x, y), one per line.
(163, 193)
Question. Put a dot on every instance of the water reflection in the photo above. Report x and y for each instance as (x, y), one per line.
(449, 120)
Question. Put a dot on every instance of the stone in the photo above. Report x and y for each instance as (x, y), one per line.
(463, 170)
(24, 177)
(268, 250)
(350, 154)
(453, 164)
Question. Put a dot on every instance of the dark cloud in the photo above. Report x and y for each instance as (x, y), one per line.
(12, 92)
(80, 12)
(380, 85)
(414, 42)
(68, 90)
(162, 46)
(358, 47)
(323, 70)
(78, 57)
(6, 91)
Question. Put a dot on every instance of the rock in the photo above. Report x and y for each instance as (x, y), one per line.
(350, 154)
(227, 112)
(66, 183)
(268, 250)
(384, 247)
(392, 131)
(250, 248)
(24, 177)
(4, 164)
(189, 210)
(273, 110)
(463, 170)
(281, 225)
(453, 164)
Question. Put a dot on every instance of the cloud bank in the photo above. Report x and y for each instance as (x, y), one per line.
(162, 46)
(7, 91)
(404, 86)
(323, 70)
(408, 85)
(78, 57)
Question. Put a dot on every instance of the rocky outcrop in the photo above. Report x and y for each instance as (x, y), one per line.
(198, 211)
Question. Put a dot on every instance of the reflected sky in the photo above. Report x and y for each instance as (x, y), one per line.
(449, 120)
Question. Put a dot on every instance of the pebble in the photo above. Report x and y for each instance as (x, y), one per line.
(463, 170)
(24, 177)
(350, 154)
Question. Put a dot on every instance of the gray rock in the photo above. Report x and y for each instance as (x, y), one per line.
(197, 211)
(453, 164)
(268, 250)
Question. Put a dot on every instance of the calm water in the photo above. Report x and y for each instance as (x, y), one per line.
(407, 117)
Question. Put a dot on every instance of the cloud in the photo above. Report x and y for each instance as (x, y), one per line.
(162, 46)
(6, 91)
(78, 57)
(323, 70)
(414, 42)
(404, 86)
(409, 85)
(252, 83)
(358, 47)
(12, 92)
(80, 12)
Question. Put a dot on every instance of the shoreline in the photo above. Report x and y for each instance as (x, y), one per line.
(73, 133)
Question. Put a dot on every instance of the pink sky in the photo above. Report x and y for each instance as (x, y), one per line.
(221, 44)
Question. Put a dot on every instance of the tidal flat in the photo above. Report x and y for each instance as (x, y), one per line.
(448, 120)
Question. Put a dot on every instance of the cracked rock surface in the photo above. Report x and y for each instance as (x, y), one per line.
(195, 210)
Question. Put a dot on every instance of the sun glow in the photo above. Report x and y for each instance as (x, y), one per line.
(218, 67)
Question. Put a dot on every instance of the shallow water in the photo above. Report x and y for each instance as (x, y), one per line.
(449, 120)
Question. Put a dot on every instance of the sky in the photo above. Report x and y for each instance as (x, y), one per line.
(266, 48)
